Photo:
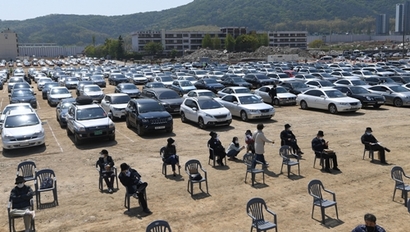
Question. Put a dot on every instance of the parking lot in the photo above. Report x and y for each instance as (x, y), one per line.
(360, 187)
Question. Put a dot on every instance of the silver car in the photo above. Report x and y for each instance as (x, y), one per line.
(247, 106)
(395, 94)
(284, 97)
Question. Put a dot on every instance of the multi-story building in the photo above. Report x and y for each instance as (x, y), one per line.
(402, 18)
(382, 24)
(191, 40)
(8, 45)
(48, 50)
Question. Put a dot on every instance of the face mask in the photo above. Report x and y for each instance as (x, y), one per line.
(21, 185)
(370, 229)
(236, 141)
(102, 156)
(368, 133)
(128, 173)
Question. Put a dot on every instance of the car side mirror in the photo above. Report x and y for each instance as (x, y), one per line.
(323, 96)
(43, 122)
(235, 102)
(194, 108)
(109, 114)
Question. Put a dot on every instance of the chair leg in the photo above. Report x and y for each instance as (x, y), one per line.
(246, 175)
(263, 174)
(192, 189)
(289, 170)
(281, 168)
(298, 169)
(253, 179)
(313, 210)
(206, 183)
(323, 214)
(394, 193)
(337, 213)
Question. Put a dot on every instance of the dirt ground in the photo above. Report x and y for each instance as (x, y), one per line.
(360, 187)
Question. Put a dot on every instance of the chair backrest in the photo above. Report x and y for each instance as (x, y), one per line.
(248, 159)
(161, 152)
(159, 226)
(255, 208)
(27, 169)
(211, 150)
(192, 164)
(315, 189)
(43, 176)
(397, 174)
(285, 152)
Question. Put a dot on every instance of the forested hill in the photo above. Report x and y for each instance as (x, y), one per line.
(316, 16)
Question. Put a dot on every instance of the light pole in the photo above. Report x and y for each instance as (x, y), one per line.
(404, 28)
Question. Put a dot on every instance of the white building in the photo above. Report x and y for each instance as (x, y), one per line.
(8, 45)
(48, 50)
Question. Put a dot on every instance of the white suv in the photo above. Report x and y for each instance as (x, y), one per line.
(205, 111)
(115, 104)
(22, 128)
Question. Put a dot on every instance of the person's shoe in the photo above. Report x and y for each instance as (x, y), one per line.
(387, 149)
(135, 196)
(336, 169)
(327, 170)
(175, 174)
(231, 159)
(147, 211)
(110, 190)
(384, 162)
(142, 187)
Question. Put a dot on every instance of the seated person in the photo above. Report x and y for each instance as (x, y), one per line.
(21, 196)
(131, 180)
(288, 138)
(170, 155)
(318, 146)
(234, 149)
(371, 143)
(250, 143)
(105, 163)
(216, 145)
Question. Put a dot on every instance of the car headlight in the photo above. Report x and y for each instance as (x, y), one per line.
(80, 128)
(169, 118)
(368, 98)
(145, 120)
(254, 111)
(7, 136)
(343, 103)
(118, 109)
(111, 125)
(39, 133)
(209, 116)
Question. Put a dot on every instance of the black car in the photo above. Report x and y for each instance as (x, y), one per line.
(128, 88)
(151, 85)
(47, 86)
(209, 84)
(258, 79)
(362, 94)
(147, 115)
(379, 80)
(167, 97)
(401, 79)
(295, 86)
(235, 81)
(25, 95)
(116, 78)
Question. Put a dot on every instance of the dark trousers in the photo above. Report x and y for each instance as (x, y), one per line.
(141, 196)
(380, 149)
(173, 160)
(327, 157)
(109, 179)
(273, 100)
(232, 153)
(251, 147)
(260, 158)
(220, 154)
(293, 144)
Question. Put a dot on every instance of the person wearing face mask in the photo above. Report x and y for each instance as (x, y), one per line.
(170, 155)
(319, 146)
(216, 145)
(234, 149)
(370, 225)
(131, 180)
(105, 164)
(21, 196)
(288, 138)
(371, 143)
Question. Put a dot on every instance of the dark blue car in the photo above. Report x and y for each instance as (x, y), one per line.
(209, 84)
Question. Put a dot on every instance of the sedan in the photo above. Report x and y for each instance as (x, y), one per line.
(192, 79)
(283, 96)
(166, 80)
(233, 90)
(247, 106)
(128, 88)
(47, 86)
(10, 107)
(295, 86)
(62, 109)
(24, 95)
(55, 95)
(199, 93)
(42, 81)
(70, 82)
(98, 80)
(182, 87)
(343, 75)
(319, 83)
(150, 85)
(327, 99)
(235, 81)
(116, 78)
(365, 97)
(92, 91)
(258, 80)
(210, 84)
(353, 82)
(395, 94)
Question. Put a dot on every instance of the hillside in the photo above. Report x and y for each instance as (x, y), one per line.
(316, 16)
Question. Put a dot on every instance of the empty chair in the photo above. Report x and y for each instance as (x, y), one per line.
(249, 160)
(214, 157)
(27, 169)
(193, 168)
(45, 181)
(101, 178)
(164, 163)
(11, 218)
(254, 209)
(159, 226)
(286, 152)
(397, 175)
(315, 188)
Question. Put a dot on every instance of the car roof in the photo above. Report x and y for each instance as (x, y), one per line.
(144, 100)
(116, 94)
(21, 112)
(160, 90)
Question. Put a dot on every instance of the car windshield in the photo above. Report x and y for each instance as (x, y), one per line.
(118, 76)
(200, 72)
(387, 80)
(92, 89)
(358, 90)
(21, 120)
(399, 89)
(166, 78)
(150, 107)
(237, 79)
(44, 80)
(367, 73)
(251, 99)
(326, 83)
(210, 81)
(334, 93)
(22, 93)
(209, 104)
(208, 94)
(50, 84)
(190, 78)
(281, 90)
(358, 82)
(283, 75)
(95, 78)
(9, 108)
(72, 79)
(59, 91)
(185, 83)
(157, 85)
(128, 87)
(326, 75)
(310, 77)
(90, 113)
(65, 105)
(168, 95)
(123, 99)
(261, 77)
(218, 73)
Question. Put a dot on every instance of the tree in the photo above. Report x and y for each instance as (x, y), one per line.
(153, 48)
(229, 43)
(120, 48)
(247, 43)
(207, 41)
(263, 39)
(173, 53)
(316, 43)
(216, 43)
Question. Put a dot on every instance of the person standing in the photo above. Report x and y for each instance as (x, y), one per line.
(217, 147)
(318, 146)
(20, 197)
(371, 143)
(234, 149)
(106, 165)
(288, 138)
(260, 140)
(250, 143)
(131, 180)
(369, 225)
(273, 94)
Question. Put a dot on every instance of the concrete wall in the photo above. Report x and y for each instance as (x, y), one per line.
(8, 45)
(50, 51)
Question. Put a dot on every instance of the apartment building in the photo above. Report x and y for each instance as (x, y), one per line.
(8, 45)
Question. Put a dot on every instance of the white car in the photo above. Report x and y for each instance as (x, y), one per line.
(115, 104)
(14, 106)
(199, 93)
(327, 99)
(233, 89)
(92, 91)
(284, 97)
(55, 94)
(22, 128)
(247, 106)
(205, 111)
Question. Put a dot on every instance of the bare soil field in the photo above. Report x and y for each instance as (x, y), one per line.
(360, 187)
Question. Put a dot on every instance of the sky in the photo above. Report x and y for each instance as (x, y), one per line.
(17, 10)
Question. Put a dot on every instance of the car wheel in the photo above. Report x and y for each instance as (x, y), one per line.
(127, 122)
(140, 130)
(276, 102)
(303, 105)
(376, 106)
(398, 102)
(77, 140)
(69, 132)
(201, 123)
(183, 118)
(244, 116)
(332, 109)
(58, 120)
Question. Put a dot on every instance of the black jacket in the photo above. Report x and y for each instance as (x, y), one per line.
(367, 139)
(285, 135)
(100, 162)
(131, 180)
(21, 197)
(318, 144)
(272, 92)
(169, 150)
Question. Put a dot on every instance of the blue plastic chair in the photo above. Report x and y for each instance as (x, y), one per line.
(315, 188)
(286, 153)
(397, 175)
(159, 226)
(254, 209)
(248, 160)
